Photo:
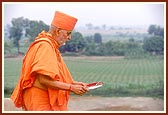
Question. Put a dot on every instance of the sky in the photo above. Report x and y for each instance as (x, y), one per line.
(96, 13)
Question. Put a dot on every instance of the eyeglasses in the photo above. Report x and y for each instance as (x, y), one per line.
(68, 33)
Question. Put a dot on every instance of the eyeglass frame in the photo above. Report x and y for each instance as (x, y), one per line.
(68, 33)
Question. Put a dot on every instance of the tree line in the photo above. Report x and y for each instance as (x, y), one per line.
(91, 45)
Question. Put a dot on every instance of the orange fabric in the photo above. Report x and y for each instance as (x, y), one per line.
(43, 57)
(64, 21)
(36, 101)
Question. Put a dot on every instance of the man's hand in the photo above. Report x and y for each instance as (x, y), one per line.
(79, 83)
(79, 88)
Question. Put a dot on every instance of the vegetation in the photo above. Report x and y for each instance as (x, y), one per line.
(24, 27)
(152, 43)
(121, 77)
(76, 45)
(139, 73)
(16, 32)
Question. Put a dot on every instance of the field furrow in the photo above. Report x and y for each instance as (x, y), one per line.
(120, 76)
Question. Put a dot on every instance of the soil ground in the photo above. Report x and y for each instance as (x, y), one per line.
(92, 103)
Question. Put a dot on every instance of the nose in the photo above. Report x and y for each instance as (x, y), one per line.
(69, 37)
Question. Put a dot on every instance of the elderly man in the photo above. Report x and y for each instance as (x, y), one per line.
(45, 82)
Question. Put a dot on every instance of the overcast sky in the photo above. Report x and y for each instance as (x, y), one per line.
(97, 13)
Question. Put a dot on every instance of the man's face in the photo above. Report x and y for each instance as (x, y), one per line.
(63, 36)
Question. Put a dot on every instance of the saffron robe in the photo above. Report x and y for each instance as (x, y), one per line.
(43, 57)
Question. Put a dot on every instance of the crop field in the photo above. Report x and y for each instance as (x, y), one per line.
(121, 77)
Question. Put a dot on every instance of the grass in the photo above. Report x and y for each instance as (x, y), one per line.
(121, 77)
(11, 73)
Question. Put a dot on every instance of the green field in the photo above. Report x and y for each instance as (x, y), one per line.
(121, 77)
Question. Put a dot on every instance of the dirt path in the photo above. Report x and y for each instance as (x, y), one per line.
(91, 103)
(116, 104)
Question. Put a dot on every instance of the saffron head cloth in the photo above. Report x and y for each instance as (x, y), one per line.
(64, 21)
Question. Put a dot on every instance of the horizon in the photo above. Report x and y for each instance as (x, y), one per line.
(109, 14)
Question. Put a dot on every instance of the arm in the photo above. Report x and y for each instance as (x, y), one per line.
(48, 82)
(79, 83)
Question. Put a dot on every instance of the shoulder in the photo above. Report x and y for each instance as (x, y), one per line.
(43, 43)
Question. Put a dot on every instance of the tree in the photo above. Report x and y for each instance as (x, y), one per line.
(154, 44)
(7, 48)
(97, 38)
(76, 44)
(89, 39)
(109, 48)
(34, 28)
(156, 30)
(133, 49)
(152, 29)
(15, 31)
(160, 31)
(90, 49)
